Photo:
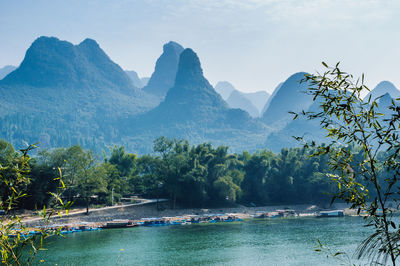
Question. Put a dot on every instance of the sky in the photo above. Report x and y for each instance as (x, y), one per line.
(254, 44)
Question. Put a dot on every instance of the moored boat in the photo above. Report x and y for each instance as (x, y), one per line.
(116, 224)
(328, 214)
(286, 213)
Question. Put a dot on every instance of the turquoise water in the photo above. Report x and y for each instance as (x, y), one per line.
(252, 242)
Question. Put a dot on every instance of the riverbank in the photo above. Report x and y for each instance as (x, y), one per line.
(149, 209)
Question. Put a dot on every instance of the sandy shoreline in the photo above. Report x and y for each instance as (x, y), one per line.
(137, 212)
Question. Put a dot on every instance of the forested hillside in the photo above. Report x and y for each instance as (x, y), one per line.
(64, 94)
(193, 110)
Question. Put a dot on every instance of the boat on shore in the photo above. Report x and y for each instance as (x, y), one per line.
(286, 213)
(116, 224)
(329, 214)
(277, 214)
(180, 220)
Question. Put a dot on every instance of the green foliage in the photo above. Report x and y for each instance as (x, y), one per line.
(189, 175)
(226, 187)
(16, 246)
(122, 171)
(201, 175)
(291, 176)
(367, 176)
(84, 177)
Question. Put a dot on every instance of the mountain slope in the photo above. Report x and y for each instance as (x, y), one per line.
(258, 99)
(311, 130)
(239, 100)
(252, 102)
(165, 70)
(68, 93)
(383, 88)
(64, 94)
(4, 71)
(265, 107)
(225, 89)
(137, 82)
(384, 103)
(301, 127)
(50, 62)
(191, 98)
(288, 97)
(193, 110)
(145, 80)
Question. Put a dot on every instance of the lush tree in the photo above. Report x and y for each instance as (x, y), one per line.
(84, 177)
(122, 172)
(91, 182)
(256, 168)
(125, 162)
(41, 183)
(281, 177)
(172, 165)
(147, 181)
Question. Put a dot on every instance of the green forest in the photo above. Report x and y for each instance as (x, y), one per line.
(188, 175)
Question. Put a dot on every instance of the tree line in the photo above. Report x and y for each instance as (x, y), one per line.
(188, 175)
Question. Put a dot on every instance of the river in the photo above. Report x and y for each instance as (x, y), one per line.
(281, 241)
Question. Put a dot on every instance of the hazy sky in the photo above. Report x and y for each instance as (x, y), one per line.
(254, 44)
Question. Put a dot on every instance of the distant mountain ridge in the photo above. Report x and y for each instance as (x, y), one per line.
(252, 102)
(191, 95)
(382, 88)
(301, 127)
(270, 98)
(384, 103)
(145, 80)
(224, 88)
(311, 129)
(4, 71)
(290, 96)
(137, 82)
(388, 93)
(165, 70)
(64, 94)
(239, 100)
(68, 93)
(50, 62)
(192, 109)
(258, 99)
